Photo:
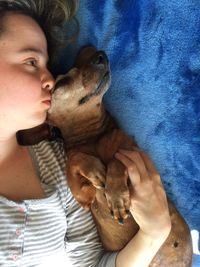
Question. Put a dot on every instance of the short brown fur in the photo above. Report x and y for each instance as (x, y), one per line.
(97, 180)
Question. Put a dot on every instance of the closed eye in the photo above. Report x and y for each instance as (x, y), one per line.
(63, 82)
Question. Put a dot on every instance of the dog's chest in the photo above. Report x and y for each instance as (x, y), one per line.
(111, 142)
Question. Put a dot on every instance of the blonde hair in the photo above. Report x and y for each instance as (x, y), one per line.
(49, 14)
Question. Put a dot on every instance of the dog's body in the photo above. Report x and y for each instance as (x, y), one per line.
(97, 180)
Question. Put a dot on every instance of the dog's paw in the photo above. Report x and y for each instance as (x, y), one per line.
(117, 191)
(90, 168)
(94, 171)
(118, 200)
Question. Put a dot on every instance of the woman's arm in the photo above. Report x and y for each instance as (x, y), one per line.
(140, 251)
(149, 208)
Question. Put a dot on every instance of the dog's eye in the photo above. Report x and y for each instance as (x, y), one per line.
(63, 82)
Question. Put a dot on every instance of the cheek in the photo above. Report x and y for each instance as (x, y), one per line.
(20, 91)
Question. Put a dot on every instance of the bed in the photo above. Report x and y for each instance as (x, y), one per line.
(154, 52)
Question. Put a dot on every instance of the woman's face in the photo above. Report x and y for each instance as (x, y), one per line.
(25, 82)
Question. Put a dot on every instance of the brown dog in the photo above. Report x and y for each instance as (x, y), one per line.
(97, 180)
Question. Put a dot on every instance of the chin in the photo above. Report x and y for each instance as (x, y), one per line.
(35, 122)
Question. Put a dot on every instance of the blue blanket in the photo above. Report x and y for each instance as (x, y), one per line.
(154, 51)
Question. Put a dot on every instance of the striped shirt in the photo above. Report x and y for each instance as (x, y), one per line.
(53, 231)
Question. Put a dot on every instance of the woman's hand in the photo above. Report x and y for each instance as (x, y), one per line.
(148, 199)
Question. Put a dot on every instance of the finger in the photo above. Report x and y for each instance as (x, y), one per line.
(133, 172)
(135, 157)
(150, 167)
(148, 162)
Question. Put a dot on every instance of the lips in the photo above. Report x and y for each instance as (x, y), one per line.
(47, 102)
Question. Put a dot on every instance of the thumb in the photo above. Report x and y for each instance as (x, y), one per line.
(134, 176)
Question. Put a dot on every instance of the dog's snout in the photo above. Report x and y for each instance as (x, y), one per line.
(99, 58)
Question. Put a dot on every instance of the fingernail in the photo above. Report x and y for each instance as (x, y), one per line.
(120, 221)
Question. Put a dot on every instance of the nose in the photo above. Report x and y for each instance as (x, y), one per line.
(99, 58)
(48, 81)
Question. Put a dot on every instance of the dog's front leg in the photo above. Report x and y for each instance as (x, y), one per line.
(85, 173)
(116, 190)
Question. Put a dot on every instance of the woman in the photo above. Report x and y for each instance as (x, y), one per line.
(40, 222)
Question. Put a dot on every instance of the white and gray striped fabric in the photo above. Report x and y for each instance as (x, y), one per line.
(54, 231)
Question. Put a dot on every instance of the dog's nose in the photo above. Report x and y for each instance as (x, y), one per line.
(99, 58)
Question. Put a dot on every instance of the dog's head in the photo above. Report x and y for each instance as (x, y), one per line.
(82, 88)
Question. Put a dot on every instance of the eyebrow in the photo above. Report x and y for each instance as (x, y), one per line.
(34, 50)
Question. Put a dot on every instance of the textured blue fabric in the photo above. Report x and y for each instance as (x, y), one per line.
(154, 50)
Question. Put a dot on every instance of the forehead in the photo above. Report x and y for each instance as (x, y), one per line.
(21, 31)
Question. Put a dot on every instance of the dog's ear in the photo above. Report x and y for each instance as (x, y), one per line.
(85, 54)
